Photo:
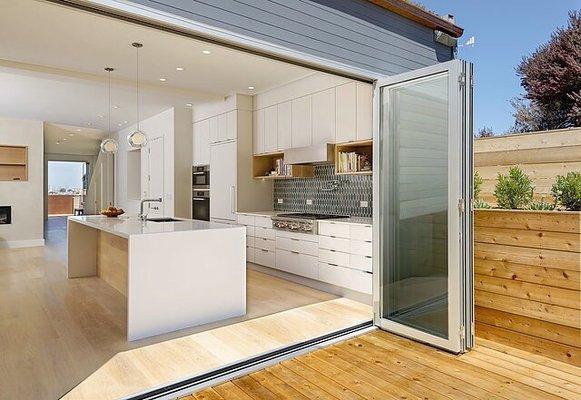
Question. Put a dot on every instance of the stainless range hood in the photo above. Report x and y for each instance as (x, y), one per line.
(323, 153)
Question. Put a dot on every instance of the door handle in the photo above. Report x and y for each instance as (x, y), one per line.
(198, 199)
(232, 199)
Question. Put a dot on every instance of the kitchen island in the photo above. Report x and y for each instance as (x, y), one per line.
(174, 274)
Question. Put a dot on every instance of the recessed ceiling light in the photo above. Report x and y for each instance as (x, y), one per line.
(89, 123)
(100, 116)
(251, 87)
(116, 107)
(188, 104)
(124, 122)
(78, 130)
(58, 143)
(179, 68)
(119, 124)
(65, 139)
(71, 134)
(206, 52)
(162, 79)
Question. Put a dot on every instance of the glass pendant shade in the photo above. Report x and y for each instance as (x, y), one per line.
(137, 139)
(109, 146)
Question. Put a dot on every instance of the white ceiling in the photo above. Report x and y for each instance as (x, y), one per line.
(52, 61)
(66, 139)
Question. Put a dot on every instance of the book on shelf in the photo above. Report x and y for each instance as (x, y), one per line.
(353, 162)
(281, 169)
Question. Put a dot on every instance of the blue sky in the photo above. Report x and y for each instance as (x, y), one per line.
(68, 175)
(505, 31)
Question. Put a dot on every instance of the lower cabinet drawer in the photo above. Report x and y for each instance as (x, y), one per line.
(301, 246)
(346, 277)
(363, 263)
(245, 219)
(250, 231)
(249, 254)
(264, 257)
(266, 244)
(334, 257)
(266, 233)
(249, 241)
(265, 222)
(361, 248)
(329, 243)
(296, 263)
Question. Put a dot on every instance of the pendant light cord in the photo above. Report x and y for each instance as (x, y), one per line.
(109, 113)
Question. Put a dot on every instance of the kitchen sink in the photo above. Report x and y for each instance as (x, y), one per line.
(163, 220)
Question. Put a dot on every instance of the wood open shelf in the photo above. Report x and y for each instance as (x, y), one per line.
(360, 147)
(263, 164)
(13, 163)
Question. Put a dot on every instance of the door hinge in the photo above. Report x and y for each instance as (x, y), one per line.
(462, 332)
(149, 177)
(461, 208)
(462, 79)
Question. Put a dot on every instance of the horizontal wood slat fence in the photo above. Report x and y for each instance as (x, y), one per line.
(541, 155)
(527, 268)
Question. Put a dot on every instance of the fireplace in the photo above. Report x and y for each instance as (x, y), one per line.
(5, 215)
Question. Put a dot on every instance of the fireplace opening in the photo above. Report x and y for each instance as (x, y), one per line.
(5, 215)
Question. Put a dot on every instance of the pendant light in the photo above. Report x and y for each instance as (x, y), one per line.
(109, 145)
(137, 139)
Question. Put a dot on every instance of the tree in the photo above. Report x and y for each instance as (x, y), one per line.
(551, 78)
(485, 131)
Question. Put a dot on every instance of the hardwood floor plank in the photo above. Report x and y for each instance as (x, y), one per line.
(230, 391)
(254, 389)
(277, 386)
(303, 386)
(411, 370)
(208, 394)
(322, 381)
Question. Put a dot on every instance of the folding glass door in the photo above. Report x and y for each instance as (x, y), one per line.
(422, 189)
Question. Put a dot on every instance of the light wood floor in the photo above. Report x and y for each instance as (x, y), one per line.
(54, 331)
(380, 365)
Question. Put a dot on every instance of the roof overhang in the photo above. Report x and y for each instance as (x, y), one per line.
(419, 15)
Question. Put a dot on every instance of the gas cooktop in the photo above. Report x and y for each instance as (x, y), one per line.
(301, 222)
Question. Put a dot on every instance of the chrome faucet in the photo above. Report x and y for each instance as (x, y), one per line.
(142, 215)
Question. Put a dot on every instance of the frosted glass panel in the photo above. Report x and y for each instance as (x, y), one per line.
(416, 266)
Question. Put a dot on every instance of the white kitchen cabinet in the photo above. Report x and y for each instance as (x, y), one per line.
(265, 257)
(349, 278)
(258, 131)
(297, 263)
(323, 111)
(213, 129)
(270, 129)
(222, 127)
(155, 177)
(301, 122)
(232, 125)
(223, 181)
(364, 111)
(201, 143)
(346, 113)
(284, 130)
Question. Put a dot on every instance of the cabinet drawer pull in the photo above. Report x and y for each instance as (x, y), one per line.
(266, 251)
(367, 256)
(333, 236)
(294, 252)
(332, 251)
(333, 265)
(296, 240)
(368, 241)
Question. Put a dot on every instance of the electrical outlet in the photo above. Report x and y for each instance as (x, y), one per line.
(309, 202)
(363, 204)
(280, 201)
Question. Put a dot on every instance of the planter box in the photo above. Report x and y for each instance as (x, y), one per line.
(527, 287)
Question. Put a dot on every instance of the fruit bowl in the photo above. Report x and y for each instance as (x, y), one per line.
(112, 212)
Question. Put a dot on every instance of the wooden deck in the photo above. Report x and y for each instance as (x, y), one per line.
(379, 365)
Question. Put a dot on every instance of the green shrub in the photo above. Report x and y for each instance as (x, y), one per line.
(478, 181)
(481, 204)
(514, 191)
(567, 191)
(542, 205)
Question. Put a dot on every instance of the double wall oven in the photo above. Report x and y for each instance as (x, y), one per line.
(201, 193)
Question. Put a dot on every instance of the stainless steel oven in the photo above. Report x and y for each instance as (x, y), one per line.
(201, 205)
(201, 177)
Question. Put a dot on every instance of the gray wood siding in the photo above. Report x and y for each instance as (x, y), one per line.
(352, 32)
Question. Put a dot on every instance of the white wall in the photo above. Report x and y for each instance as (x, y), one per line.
(25, 197)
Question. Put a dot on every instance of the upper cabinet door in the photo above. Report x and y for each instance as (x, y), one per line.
(222, 127)
(346, 110)
(258, 131)
(301, 122)
(213, 123)
(323, 109)
(232, 125)
(270, 129)
(202, 143)
(284, 130)
(364, 111)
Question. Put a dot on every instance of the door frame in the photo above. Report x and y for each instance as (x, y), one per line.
(460, 280)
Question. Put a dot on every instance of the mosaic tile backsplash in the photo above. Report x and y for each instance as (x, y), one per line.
(344, 199)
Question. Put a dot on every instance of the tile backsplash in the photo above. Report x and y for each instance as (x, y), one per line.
(348, 191)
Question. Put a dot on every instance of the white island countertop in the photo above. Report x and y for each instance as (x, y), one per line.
(128, 226)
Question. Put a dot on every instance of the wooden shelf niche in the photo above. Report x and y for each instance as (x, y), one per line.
(264, 164)
(345, 152)
(13, 163)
